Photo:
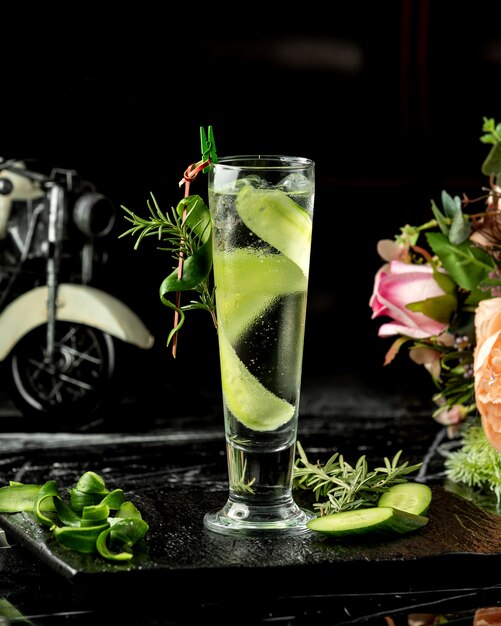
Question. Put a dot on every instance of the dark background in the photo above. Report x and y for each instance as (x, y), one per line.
(386, 97)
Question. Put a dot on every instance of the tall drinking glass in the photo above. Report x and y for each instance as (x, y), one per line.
(261, 210)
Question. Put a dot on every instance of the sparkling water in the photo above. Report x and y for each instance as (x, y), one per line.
(261, 294)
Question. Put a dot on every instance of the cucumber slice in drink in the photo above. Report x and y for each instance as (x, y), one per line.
(382, 520)
(253, 272)
(410, 497)
(248, 282)
(249, 401)
(278, 220)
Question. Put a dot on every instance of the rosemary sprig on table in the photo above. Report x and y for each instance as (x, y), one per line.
(338, 486)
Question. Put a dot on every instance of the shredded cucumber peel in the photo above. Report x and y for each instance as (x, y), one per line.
(86, 523)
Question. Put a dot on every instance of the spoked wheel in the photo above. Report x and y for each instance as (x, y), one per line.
(70, 386)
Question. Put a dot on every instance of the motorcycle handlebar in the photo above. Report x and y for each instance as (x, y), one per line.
(11, 165)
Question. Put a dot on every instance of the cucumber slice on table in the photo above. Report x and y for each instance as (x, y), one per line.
(411, 497)
(383, 520)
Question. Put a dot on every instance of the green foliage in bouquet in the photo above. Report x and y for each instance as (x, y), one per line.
(441, 289)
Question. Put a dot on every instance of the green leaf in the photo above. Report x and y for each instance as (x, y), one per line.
(466, 263)
(188, 235)
(491, 281)
(488, 139)
(441, 219)
(409, 235)
(475, 296)
(492, 164)
(460, 229)
(196, 269)
(394, 349)
(439, 308)
(451, 205)
(489, 125)
(197, 216)
(444, 281)
(198, 266)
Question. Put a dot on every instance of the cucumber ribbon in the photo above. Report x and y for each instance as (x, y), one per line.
(85, 523)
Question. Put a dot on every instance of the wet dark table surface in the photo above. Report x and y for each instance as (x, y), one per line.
(173, 467)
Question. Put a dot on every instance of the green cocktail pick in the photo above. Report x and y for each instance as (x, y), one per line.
(187, 232)
(208, 147)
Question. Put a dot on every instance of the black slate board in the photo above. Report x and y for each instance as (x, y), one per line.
(459, 544)
(188, 575)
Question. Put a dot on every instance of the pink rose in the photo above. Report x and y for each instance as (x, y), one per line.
(398, 284)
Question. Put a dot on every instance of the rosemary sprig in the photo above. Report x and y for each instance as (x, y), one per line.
(338, 486)
(185, 233)
(240, 482)
(173, 229)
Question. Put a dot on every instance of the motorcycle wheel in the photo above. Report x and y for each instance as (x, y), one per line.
(70, 388)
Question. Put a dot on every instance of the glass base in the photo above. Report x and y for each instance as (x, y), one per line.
(237, 518)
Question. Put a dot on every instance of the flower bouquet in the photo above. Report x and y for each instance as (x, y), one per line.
(441, 288)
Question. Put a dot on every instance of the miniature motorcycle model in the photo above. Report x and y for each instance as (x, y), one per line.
(57, 332)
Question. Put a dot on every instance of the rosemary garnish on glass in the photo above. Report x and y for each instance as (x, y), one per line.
(186, 233)
(338, 486)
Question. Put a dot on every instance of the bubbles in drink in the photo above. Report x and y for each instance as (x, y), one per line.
(262, 237)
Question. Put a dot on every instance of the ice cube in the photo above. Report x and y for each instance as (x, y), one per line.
(222, 185)
(253, 180)
(295, 183)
